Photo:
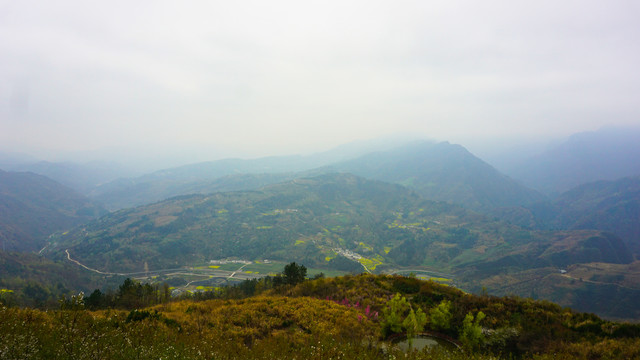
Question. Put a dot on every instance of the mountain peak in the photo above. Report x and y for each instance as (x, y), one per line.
(444, 172)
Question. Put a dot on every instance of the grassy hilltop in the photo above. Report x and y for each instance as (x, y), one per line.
(346, 317)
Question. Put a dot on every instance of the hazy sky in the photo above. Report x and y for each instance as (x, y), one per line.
(273, 77)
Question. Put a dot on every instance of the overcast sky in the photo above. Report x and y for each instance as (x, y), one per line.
(274, 77)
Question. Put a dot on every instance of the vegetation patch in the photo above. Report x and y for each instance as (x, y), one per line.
(289, 316)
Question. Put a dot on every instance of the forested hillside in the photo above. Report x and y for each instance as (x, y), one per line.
(32, 207)
(225, 175)
(31, 280)
(438, 171)
(442, 172)
(312, 220)
(334, 222)
(612, 206)
(126, 193)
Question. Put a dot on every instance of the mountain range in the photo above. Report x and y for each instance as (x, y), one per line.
(325, 222)
(438, 171)
(423, 205)
(442, 172)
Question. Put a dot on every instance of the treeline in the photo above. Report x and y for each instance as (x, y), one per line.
(130, 295)
(133, 294)
(291, 275)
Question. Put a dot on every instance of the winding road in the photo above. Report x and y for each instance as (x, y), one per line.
(88, 268)
(178, 271)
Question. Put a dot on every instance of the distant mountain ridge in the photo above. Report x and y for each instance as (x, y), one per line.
(443, 172)
(606, 154)
(224, 175)
(126, 193)
(612, 206)
(79, 177)
(33, 206)
(438, 171)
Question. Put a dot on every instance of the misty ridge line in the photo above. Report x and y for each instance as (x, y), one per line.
(616, 148)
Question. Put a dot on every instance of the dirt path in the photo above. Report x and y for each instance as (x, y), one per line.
(234, 273)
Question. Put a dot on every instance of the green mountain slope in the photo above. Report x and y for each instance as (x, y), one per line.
(225, 175)
(31, 280)
(125, 193)
(304, 218)
(612, 206)
(604, 205)
(32, 207)
(610, 290)
(442, 172)
(329, 221)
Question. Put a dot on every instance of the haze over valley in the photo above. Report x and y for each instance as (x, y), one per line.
(379, 206)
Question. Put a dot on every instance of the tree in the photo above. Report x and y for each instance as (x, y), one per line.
(392, 315)
(6, 297)
(471, 335)
(37, 293)
(130, 294)
(166, 292)
(294, 273)
(414, 323)
(95, 301)
(394, 320)
(441, 316)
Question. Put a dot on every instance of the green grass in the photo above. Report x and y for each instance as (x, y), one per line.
(229, 267)
(265, 268)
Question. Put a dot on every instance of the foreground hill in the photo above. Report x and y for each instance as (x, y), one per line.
(335, 221)
(32, 207)
(349, 317)
(442, 172)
